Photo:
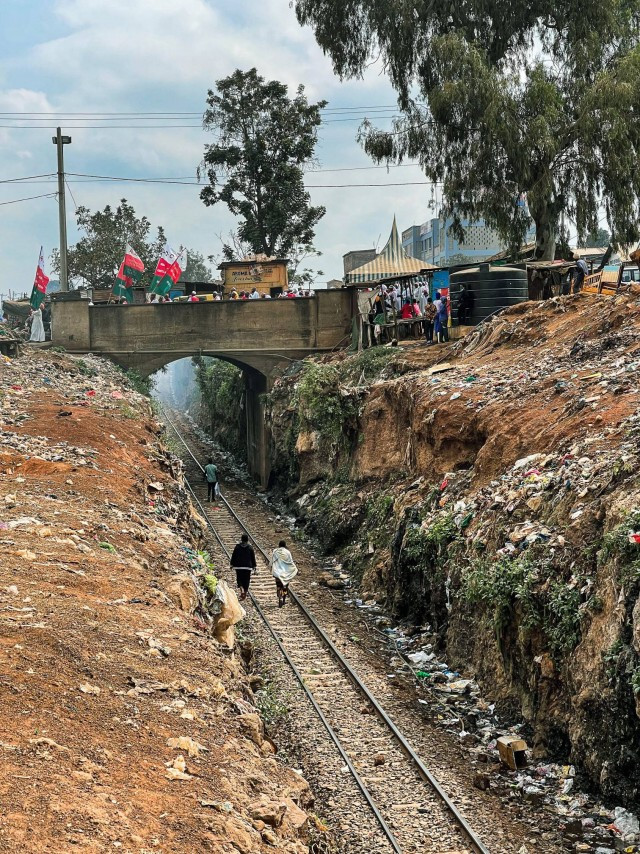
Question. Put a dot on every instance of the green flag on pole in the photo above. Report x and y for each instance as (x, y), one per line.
(168, 271)
(130, 272)
(40, 284)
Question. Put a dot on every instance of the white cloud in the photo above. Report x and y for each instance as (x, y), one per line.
(150, 55)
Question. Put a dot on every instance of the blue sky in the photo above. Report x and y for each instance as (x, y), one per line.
(150, 55)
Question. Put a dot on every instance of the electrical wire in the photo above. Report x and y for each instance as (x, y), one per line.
(75, 204)
(159, 127)
(29, 198)
(26, 179)
(201, 185)
(189, 178)
(164, 113)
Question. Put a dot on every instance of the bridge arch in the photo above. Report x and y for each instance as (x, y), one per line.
(260, 336)
(257, 433)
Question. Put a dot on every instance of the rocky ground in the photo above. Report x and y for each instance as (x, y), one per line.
(127, 721)
(486, 494)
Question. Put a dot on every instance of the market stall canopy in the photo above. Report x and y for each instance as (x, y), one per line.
(392, 261)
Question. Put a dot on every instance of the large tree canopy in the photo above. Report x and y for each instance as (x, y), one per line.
(502, 99)
(255, 166)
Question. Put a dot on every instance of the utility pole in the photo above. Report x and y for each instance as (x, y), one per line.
(60, 141)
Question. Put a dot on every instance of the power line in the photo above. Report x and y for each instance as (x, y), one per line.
(28, 178)
(36, 179)
(186, 183)
(75, 204)
(61, 114)
(198, 184)
(97, 127)
(29, 198)
(396, 184)
(163, 126)
(73, 121)
(361, 168)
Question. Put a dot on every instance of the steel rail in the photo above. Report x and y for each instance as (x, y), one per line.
(474, 840)
(331, 732)
(424, 772)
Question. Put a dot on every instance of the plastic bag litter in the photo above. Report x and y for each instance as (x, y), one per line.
(625, 821)
(226, 611)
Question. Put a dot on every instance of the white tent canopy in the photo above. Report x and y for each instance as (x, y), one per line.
(392, 261)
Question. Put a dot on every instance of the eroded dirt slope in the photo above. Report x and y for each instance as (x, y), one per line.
(104, 658)
(490, 490)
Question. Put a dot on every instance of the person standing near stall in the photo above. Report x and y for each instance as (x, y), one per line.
(37, 326)
(430, 314)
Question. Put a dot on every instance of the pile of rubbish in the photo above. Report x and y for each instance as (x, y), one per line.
(456, 704)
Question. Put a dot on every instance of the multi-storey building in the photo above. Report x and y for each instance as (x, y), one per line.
(434, 242)
(411, 241)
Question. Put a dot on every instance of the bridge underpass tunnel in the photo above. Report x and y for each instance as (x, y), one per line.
(226, 400)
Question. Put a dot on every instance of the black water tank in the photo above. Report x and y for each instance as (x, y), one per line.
(493, 288)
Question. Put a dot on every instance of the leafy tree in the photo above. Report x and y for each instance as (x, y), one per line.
(597, 239)
(535, 97)
(301, 275)
(197, 269)
(97, 256)
(255, 166)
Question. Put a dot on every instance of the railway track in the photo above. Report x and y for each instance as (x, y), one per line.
(405, 806)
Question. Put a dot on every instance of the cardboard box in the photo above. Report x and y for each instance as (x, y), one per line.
(512, 752)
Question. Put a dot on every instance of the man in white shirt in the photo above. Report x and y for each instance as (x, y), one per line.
(254, 294)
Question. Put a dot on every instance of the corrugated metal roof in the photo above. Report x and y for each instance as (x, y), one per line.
(392, 261)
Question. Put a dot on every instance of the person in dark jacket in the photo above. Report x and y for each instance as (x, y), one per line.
(442, 321)
(581, 271)
(465, 306)
(243, 560)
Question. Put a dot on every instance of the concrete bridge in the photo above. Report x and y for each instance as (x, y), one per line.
(260, 336)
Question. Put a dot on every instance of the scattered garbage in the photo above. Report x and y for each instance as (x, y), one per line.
(177, 769)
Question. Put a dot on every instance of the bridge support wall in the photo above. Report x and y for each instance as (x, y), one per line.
(258, 438)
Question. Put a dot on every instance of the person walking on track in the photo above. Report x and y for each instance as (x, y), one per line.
(284, 571)
(243, 560)
(211, 476)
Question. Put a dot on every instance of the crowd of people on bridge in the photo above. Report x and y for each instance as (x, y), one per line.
(292, 292)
